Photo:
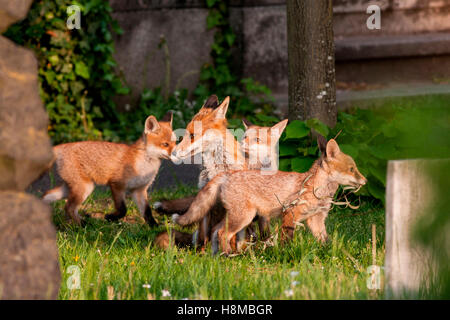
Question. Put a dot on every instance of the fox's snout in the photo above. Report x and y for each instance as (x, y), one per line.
(360, 179)
(177, 155)
(173, 157)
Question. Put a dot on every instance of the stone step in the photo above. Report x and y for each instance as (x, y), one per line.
(374, 97)
(392, 46)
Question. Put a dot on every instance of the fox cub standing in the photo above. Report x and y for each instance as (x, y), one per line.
(246, 194)
(82, 165)
(259, 144)
(221, 152)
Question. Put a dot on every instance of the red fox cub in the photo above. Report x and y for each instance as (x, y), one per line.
(82, 165)
(206, 134)
(246, 194)
(259, 144)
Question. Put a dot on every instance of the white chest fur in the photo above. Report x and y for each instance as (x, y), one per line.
(218, 161)
(145, 172)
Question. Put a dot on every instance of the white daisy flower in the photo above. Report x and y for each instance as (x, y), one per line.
(294, 273)
(289, 293)
(166, 293)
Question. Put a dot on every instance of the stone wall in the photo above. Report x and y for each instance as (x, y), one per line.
(409, 29)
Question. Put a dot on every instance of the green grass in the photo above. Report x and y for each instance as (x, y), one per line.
(118, 260)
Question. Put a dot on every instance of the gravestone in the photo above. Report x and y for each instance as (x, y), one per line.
(408, 194)
(29, 267)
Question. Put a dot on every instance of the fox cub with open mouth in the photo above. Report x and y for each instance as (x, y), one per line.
(248, 193)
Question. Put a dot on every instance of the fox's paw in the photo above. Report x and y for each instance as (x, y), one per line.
(112, 217)
(175, 217)
(157, 205)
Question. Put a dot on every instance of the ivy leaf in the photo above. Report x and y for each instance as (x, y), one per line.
(67, 67)
(376, 191)
(301, 164)
(379, 173)
(213, 19)
(230, 38)
(287, 149)
(266, 119)
(284, 164)
(81, 69)
(318, 125)
(312, 150)
(123, 90)
(210, 3)
(296, 129)
(349, 149)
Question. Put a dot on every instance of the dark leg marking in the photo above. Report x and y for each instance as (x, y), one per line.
(149, 217)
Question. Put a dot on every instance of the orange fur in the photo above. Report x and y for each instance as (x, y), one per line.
(221, 152)
(82, 165)
(248, 193)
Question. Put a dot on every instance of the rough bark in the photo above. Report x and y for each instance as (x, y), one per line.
(312, 92)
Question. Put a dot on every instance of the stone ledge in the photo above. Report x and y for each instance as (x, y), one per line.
(143, 5)
(357, 48)
(340, 6)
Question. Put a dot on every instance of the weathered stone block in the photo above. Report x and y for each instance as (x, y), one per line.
(25, 149)
(12, 11)
(408, 194)
(265, 46)
(29, 267)
(145, 65)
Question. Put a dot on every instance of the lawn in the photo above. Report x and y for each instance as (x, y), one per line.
(119, 260)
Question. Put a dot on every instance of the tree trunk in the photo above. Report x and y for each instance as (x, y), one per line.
(312, 90)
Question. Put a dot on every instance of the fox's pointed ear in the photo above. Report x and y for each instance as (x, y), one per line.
(221, 110)
(151, 125)
(211, 103)
(246, 123)
(168, 117)
(322, 143)
(278, 129)
(332, 149)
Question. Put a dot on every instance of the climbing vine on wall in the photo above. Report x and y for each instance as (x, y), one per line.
(76, 67)
(219, 77)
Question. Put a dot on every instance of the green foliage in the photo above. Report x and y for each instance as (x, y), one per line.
(76, 67)
(400, 129)
(153, 102)
(433, 227)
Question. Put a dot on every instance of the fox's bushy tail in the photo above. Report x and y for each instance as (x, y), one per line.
(204, 201)
(169, 207)
(166, 239)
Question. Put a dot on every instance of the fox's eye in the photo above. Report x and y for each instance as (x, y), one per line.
(351, 169)
(165, 144)
(257, 140)
(192, 136)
